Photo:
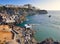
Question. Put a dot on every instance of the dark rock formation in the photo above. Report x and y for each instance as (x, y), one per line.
(49, 41)
(42, 11)
(28, 9)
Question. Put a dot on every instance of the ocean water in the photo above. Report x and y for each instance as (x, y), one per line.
(44, 26)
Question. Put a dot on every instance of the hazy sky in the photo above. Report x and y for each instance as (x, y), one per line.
(42, 4)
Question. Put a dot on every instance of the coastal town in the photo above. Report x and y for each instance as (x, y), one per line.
(10, 15)
(17, 14)
(9, 32)
(12, 19)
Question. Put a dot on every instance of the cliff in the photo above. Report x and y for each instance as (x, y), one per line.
(10, 34)
(27, 8)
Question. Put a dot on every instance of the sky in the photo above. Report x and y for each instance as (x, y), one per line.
(41, 4)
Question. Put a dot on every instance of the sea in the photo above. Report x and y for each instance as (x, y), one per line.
(45, 26)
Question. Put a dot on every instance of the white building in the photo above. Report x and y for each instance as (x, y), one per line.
(8, 20)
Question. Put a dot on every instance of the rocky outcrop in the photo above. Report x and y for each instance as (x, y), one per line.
(49, 41)
(11, 34)
(28, 9)
(42, 11)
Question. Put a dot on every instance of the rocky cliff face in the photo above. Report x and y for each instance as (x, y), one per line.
(28, 9)
(42, 11)
(11, 34)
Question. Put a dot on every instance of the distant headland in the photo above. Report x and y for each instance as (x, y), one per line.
(27, 8)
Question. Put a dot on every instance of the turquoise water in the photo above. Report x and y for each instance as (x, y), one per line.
(45, 27)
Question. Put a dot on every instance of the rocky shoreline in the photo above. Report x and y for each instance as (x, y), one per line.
(18, 9)
(11, 19)
(16, 35)
(12, 34)
(49, 41)
(9, 32)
